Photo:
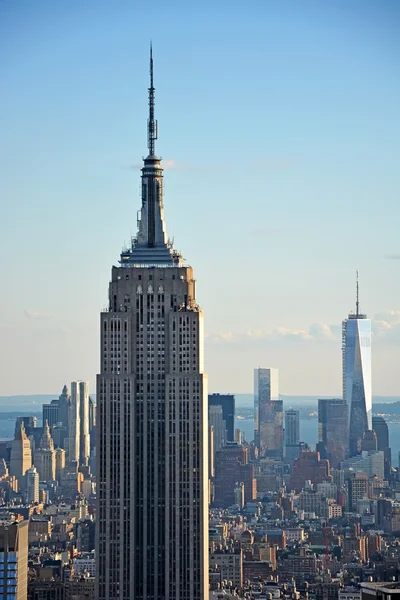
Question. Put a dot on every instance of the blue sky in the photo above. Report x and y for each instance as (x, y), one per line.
(279, 124)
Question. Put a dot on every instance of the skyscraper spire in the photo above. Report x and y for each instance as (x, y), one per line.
(357, 296)
(152, 124)
(151, 246)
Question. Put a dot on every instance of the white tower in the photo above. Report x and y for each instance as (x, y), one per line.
(32, 485)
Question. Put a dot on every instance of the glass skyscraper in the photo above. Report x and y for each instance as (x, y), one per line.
(357, 391)
(268, 412)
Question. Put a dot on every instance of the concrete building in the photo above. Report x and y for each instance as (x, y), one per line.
(64, 408)
(227, 402)
(357, 390)
(380, 590)
(45, 457)
(231, 468)
(152, 425)
(21, 457)
(357, 488)
(268, 412)
(32, 486)
(14, 560)
(79, 436)
(372, 463)
(309, 467)
(60, 463)
(229, 563)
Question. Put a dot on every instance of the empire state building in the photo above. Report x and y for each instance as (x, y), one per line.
(152, 480)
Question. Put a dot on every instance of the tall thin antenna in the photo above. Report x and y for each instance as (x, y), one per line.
(152, 125)
(357, 297)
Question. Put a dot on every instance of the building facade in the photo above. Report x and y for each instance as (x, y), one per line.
(357, 386)
(14, 560)
(21, 457)
(44, 457)
(292, 433)
(152, 432)
(227, 402)
(50, 413)
(32, 486)
(333, 430)
(268, 412)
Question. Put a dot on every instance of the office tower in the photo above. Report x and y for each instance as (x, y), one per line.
(50, 413)
(60, 463)
(292, 433)
(381, 429)
(152, 438)
(231, 468)
(84, 420)
(215, 418)
(211, 455)
(21, 457)
(357, 393)
(357, 488)
(32, 486)
(227, 401)
(92, 414)
(44, 457)
(369, 441)
(64, 408)
(333, 437)
(371, 462)
(309, 467)
(268, 413)
(79, 437)
(28, 424)
(14, 560)
(74, 445)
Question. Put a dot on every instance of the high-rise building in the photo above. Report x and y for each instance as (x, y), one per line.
(28, 423)
(232, 467)
(292, 433)
(32, 486)
(227, 401)
(268, 412)
(50, 413)
(21, 457)
(84, 420)
(381, 429)
(44, 457)
(14, 560)
(216, 419)
(79, 436)
(92, 414)
(64, 408)
(74, 440)
(152, 431)
(333, 436)
(357, 390)
(60, 463)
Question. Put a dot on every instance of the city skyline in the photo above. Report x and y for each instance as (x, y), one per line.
(324, 87)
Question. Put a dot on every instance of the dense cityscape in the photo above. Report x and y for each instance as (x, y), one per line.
(150, 489)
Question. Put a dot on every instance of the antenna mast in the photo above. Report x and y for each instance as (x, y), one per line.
(357, 297)
(152, 125)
